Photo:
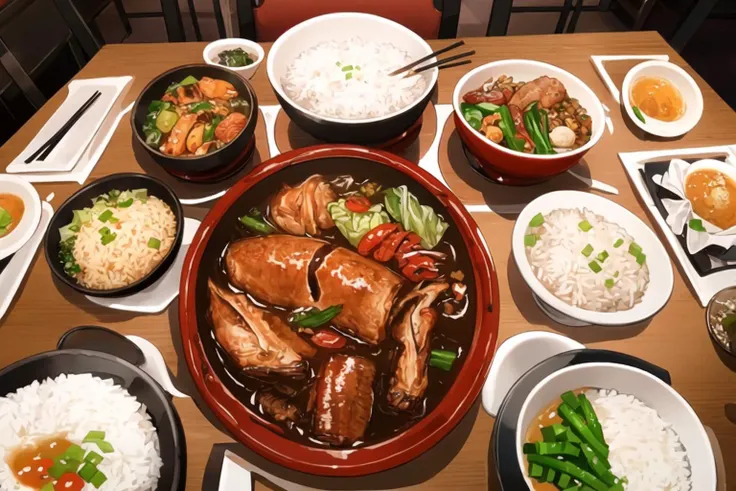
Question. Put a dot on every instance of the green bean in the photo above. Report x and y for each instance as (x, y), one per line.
(578, 425)
(568, 468)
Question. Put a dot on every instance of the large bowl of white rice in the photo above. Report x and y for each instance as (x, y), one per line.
(591, 260)
(655, 438)
(331, 76)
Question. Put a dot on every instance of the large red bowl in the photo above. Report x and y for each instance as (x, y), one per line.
(252, 430)
(517, 168)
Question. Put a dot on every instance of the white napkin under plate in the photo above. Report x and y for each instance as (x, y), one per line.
(86, 140)
(680, 212)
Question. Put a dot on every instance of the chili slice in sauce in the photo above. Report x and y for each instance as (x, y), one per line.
(358, 204)
(328, 339)
(70, 482)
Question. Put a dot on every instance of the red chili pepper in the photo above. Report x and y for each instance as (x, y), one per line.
(328, 339)
(420, 268)
(69, 482)
(518, 115)
(45, 463)
(388, 247)
(372, 239)
(358, 204)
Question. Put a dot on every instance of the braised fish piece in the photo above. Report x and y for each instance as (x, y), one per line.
(303, 209)
(257, 341)
(412, 328)
(176, 142)
(276, 269)
(344, 399)
(278, 407)
(217, 89)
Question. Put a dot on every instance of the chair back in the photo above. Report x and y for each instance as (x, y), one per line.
(271, 18)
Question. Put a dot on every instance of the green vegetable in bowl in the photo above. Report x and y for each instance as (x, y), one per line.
(5, 221)
(166, 120)
(237, 57)
(405, 208)
(188, 80)
(638, 114)
(354, 225)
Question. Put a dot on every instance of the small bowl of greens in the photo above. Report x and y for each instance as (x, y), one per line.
(239, 55)
(720, 317)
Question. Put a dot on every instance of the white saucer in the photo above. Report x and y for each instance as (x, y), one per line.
(28, 224)
(157, 297)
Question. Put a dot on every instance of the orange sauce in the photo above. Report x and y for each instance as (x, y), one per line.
(13, 205)
(713, 196)
(27, 461)
(547, 416)
(658, 98)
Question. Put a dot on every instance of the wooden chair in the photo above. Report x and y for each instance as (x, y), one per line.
(266, 20)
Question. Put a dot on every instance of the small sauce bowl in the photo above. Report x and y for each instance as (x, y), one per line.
(722, 303)
(691, 95)
(211, 54)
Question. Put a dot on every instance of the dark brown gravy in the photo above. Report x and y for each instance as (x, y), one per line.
(26, 461)
(534, 434)
(448, 334)
(13, 205)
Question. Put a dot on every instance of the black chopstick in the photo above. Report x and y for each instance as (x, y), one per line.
(429, 56)
(45, 149)
(440, 63)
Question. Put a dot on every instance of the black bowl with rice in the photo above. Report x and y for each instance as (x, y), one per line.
(103, 407)
(331, 76)
(116, 236)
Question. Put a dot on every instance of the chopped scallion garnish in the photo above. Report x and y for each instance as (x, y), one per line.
(602, 256)
(348, 75)
(634, 249)
(615, 275)
(618, 243)
(107, 238)
(105, 216)
(98, 479)
(154, 243)
(347, 68)
(595, 267)
(587, 250)
(104, 231)
(442, 359)
(696, 225)
(641, 259)
(93, 458)
(536, 220)
(87, 472)
(530, 240)
(126, 203)
(585, 225)
(609, 283)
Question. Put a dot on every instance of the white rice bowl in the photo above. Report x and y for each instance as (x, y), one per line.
(558, 261)
(661, 275)
(128, 258)
(349, 79)
(76, 405)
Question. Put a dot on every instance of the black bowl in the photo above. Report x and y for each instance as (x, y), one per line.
(138, 383)
(213, 161)
(82, 199)
(347, 131)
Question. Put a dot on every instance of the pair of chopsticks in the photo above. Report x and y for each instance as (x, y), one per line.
(444, 63)
(45, 149)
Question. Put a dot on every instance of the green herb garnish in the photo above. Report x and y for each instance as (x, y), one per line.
(585, 225)
(609, 283)
(536, 220)
(348, 75)
(602, 256)
(105, 216)
(696, 225)
(638, 114)
(595, 267)
(442, 359)
(315, 317)
(530, 240)
(587, 250)
(618, 243)
(347, 68)
(107, 238)
(154, 243)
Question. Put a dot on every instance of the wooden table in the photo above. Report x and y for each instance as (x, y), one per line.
(675, 339)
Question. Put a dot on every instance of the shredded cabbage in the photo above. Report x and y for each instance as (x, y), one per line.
(405, 208)
(355, 225)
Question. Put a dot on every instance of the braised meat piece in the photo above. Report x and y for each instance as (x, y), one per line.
(258, 342)
(276, 269)
(303, 209)
(548, 91)
(277, 407)
(412, 328)
(344, 399)
(217, 89)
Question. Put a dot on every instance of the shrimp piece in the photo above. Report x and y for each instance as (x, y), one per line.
(230, 127)
(217, 89)
(176, 142)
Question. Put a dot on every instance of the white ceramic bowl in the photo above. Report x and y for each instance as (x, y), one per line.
(343, 27)
(670, 406)
(212, 50)
(661, 277)
(690, 91)
(13, 241)
(722, 167)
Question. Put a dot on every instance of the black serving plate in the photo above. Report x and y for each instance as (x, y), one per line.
(700, 260)
(503, 443)
(138, 383)
(213, 162)
(82, 199)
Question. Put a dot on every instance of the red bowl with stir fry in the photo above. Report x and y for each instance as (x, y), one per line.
(339, 310)
(526, 121)
(195, 120)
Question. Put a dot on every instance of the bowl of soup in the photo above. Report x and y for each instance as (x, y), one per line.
(710, 186)
(20, 212)
(662, 99)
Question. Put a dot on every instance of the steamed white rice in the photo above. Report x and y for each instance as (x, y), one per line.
(643, 447)
(558, 262)
(317, 79)
(75, 405)
(128, 258)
